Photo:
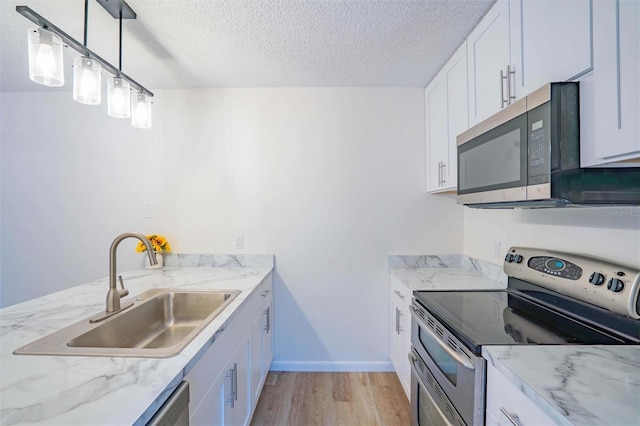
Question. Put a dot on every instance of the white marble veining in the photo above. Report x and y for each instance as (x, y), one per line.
(220, 260)
(65, 390)
(446, 272)
(575, 385)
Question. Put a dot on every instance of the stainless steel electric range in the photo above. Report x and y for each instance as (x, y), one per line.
(552, 298)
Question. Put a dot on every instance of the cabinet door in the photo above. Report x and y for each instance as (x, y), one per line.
(550, 41)
(400, 332)
(235, 388)
(210, 412)
(256, 360)
(616, 85)
(261, 351)
(436, 131)
(455, 74)
(488, 53)
(267, 339)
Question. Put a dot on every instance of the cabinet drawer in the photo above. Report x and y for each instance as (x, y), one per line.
(399, 292)
(504, 397)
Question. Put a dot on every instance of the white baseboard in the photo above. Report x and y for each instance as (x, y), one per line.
(378, 366)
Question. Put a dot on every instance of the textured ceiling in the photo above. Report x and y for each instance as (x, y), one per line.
(254, 43)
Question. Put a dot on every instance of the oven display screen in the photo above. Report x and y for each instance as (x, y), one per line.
(445, 362)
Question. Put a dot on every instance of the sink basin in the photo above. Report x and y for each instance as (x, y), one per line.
(159, 325)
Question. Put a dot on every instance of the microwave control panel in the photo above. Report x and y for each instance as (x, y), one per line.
(537, 161)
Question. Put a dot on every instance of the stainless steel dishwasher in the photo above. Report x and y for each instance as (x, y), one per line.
(175, 411)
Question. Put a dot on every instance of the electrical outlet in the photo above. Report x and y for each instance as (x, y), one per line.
(146, 211)
(239, 241)
(497, 254)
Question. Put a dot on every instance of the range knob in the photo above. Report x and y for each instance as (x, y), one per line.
(596, 279)
(615, 285)
(518, 258)
(509, 258)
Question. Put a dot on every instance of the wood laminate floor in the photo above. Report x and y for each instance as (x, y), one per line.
(304, 399)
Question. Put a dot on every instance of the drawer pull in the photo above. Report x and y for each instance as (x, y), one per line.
(399, 294)
(513, 418)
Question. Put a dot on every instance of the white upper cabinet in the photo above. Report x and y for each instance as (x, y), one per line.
(550, 41)
(435, 98)
(610, 106)
(520, 46)
(489, 55)
(446, 106)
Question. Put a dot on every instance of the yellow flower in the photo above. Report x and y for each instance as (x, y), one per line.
(159, 243)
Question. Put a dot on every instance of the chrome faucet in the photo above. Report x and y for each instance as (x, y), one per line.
(114, 295)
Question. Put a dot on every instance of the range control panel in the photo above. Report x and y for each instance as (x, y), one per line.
(593, 280)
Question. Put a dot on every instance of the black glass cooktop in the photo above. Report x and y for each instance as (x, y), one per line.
(506, 318)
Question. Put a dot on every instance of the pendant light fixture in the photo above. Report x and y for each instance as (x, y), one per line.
(45, 58)
(46, 66)
(118, 102)
(141, 115)
(87, 73)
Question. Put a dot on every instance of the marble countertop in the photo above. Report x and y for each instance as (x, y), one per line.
(66, 390)
(575, 385)
(446, 272)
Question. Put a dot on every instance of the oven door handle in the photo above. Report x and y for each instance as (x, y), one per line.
(412, 360)
(456, 356)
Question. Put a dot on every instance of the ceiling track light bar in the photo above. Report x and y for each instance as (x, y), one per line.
(79, 47)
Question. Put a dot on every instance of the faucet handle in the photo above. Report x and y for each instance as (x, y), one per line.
(124, 291)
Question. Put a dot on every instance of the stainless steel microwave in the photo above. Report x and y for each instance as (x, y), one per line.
(528, 155)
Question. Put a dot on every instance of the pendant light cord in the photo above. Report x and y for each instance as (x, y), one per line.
(120, 44)
(86, 20)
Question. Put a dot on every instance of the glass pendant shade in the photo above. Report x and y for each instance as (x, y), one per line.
(87, 81)
(118, 98)
(45, 58)
(140, 110)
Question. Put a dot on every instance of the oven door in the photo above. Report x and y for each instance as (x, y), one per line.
(429, 405)
(456, 369)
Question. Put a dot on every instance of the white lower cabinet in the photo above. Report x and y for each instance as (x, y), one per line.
(261, 350)
(507, 405)
(236, 385)
(400, 332)
(226, 382)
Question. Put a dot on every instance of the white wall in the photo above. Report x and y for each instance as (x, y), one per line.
(331, 181)
(610, 233)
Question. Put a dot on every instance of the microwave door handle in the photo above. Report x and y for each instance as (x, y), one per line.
(444, 347)
(412, 361)
(511, 72)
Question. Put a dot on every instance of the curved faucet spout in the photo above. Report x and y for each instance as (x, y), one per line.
(114, 295)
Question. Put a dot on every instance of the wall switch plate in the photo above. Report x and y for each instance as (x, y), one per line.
(239, 241)
(496, 250)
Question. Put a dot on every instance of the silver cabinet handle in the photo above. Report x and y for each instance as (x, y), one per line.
(511, 71)
(267, 312)
(444, 180)
(456, 356)
(397, 322)
(412, 362)
(233, 381)
(513, 418)
(399, 294)
(503, 77)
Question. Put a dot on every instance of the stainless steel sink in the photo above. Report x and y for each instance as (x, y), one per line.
(159, 325)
